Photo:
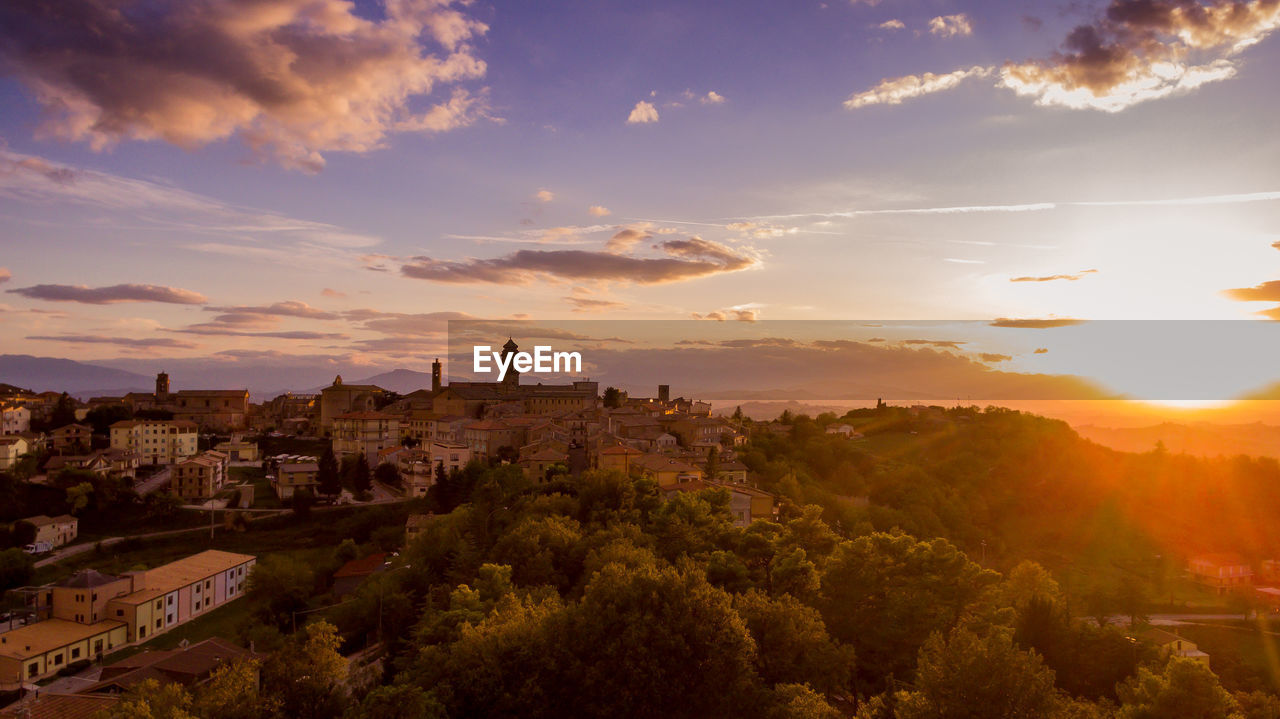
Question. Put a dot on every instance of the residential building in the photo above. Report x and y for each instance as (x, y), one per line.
(844, 430)
(11, 450)
(71, 438)
(40, 650)
(452, 456)
(199, 477)
(1221, 571)
(535, 466)
(14, 418)
(187, 665)
(239, 450)
(414, 526)
(667, 471)
(746, 504)
(1170, 644)
(293, 476)
(487, 436)
(57, 531)
(156, 441)
(351, 575)
(619, 457)
(365, 432)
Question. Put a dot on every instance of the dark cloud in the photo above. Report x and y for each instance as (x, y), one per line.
(111, 295)
(290, 308)
(1144, 49)
(687, 259)
(1032, 23)
(1051, 278)
(1034, 324)
(135, 342)
(294, 78)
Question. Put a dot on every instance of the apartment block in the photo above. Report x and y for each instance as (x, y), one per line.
(199, 477)
(155, 441)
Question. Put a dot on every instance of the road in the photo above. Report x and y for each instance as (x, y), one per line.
(154, 482)
(74, 549)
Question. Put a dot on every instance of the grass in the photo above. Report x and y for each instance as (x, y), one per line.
(263, 496)
(1244, 657)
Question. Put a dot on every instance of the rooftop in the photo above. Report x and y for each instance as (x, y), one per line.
(175, 575)
(41, 637)
(86, 579)
(59, 706)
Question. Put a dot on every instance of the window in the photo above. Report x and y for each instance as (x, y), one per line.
(33, 669)
(142, 632)
(75, 653)
(57, 660)
(159, 624)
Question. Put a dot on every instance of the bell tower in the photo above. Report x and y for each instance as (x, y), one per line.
(512, 377)
(436, 376)
(162, 386)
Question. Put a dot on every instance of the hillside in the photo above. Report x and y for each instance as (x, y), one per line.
(50, 373)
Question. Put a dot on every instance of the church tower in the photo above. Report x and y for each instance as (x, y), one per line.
(512, 377)
(162, 387)
(436, 377)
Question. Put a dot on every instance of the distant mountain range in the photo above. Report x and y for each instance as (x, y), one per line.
(43, 374)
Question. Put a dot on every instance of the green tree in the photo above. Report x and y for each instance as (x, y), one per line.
(792, 644)
(279, 585)
(357, 475)
(16, 568)
(307, 675)
(1186, 689)
(232, 692)
(79, 497)
(152, 699)
(64, 412)
(712, 467)
(397, 701)
(612, 397)
(387, 474)
(301, 502)
(965, 676)
(328, 480)
(101, 418)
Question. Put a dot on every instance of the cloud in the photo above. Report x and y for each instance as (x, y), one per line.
(5, 275)
(590, 304)
(293, 78)
(892, 25)
(712, 98)
(941, 344)
(134, 342)
(950, 25)
(328, 292)
(685, 260)
(993, 357)
(289, 308)
(1052, 278)
(214, 329)
(1265, 292)
(643, 113)
(598, 211)
(406, 324)
(897, 90)
(544, 195)
(740, 315)
(1142, 50)
(962, 261)
(1034, 324)
(625, 239)
(1041, 351)
(111, 295)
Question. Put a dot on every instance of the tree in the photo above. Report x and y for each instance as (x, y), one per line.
(79, 497)
(397, 701)
(792, 644)
(232, 692)
(612, 397)
(965, 676)
(713, 462)
(307, 675)
(16, 568)
(1186, 689)
(329, 482)
(101, 418)
(151, 699)
(387, 474)
(22, 533)
(301, 503)
(279, 585)
(357, 475)
(64, 412)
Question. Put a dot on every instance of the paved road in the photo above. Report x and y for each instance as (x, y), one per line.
(156, 481)
(74, 549)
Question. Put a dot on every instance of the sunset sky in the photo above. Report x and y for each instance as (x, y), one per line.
(305, 179)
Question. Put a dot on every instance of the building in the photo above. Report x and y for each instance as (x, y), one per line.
(351, 575)
(1220, 572)
(212, 409)
(199, 477)
(47, 705)
(414, 526)
(338, 399)
(487, 436)
(844, 430)
(666, 471)
(618, 457)
(14, 418)
(187, 665)
(91, 614)
(535, 466)
(11, 450)
(71, 438)
(470, 399)
(294, 476)
(57, 531)
(365, 432)
(156, 441)
(1169, 644)
(239, 450)
(745, 503)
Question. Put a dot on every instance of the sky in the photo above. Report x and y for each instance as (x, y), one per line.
(327, 182)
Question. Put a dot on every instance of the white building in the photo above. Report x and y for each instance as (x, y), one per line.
(14, 419)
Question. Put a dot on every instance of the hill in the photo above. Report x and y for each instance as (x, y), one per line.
(63, 375)
(1200, 439)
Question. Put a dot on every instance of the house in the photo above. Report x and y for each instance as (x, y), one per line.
(619, 457)
(294, 476)
(1169, 644)
(57, 531)
(746, 504)
(844, 430)
(156, 441)
(1220, 571)
(71, 438)
(486, 437)
(239, 450)
(666, 471)
(14, 418)
(339, 399)
(535, 466)
(47, 705)
(11, 450)
(351, 575)
(199, 477)
(365, 432)
(92, 462)
(450, 455)
(187, 665)
(731, 471)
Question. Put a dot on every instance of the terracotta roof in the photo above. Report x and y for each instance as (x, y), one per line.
(362, 567)
(59, 706)
(186, 665)
(87, 578)
(620, 449)
(300, 467)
